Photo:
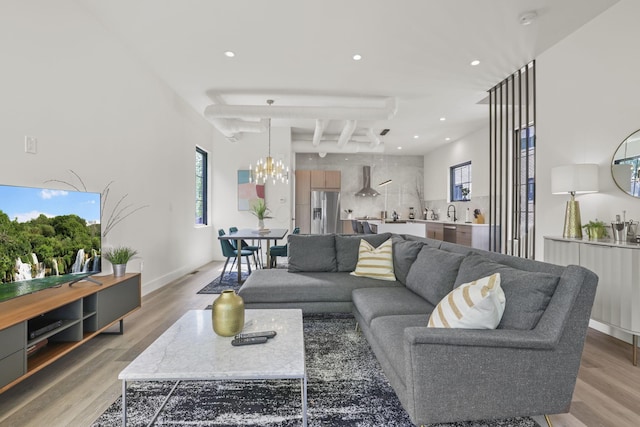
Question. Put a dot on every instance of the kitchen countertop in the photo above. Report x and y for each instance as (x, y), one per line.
(414, 221)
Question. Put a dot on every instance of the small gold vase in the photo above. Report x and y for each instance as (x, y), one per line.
(227, 314)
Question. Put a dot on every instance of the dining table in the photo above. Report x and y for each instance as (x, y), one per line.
(274, 234)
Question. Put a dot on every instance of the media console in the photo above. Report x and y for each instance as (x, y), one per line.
(78, 313)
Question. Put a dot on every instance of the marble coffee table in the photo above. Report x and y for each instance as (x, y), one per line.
(190, 350)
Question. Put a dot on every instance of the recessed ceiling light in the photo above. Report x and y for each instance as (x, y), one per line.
(416, 136)
(229, 54)
(442, 119)
(447, 139)
(399, 148)
(357, 57)
(475, 62)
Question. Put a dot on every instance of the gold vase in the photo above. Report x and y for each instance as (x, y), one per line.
(227, 314)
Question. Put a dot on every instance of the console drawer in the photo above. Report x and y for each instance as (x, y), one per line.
(12, 367)
(13, 339)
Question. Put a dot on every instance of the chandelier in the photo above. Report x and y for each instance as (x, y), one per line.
(268, 168)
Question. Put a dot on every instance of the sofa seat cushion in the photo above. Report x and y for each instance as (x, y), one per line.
(312, 253)
(376, 302)
(433, 273)
(388, 331)
(278, 285)
(347, 247)
(527, 293)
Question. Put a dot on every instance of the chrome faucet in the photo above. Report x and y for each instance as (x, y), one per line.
(455, 218)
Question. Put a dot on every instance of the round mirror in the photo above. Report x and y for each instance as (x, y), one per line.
(625, 164)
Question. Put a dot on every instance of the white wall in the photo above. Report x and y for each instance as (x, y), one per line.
(231, 157)
(98, 111)
(588, 90)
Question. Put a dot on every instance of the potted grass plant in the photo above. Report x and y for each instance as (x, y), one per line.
(260, 210)
(119, 257)
(596, 229)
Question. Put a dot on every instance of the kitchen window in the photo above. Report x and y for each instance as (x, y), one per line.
(460, 182)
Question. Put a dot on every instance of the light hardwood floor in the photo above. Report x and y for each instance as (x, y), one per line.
(76, 389)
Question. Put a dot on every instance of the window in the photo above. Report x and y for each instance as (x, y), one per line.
(460, 182)
(201, 186)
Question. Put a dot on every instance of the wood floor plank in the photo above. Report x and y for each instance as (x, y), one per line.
(76, 389)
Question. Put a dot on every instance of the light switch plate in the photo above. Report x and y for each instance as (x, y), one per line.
(30, 144)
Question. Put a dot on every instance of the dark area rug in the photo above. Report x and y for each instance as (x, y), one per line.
(228, 281)
(346, 387)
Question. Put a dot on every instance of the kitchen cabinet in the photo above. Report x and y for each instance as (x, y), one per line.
(325, 180)
(473, 235)
(303, 187)
(435, 230)
(616, 264)
(332, 180)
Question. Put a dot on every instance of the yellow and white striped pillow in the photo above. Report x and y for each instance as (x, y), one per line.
(376, 263)
(475, 305)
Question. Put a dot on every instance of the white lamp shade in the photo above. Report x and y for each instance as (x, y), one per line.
(579, 178)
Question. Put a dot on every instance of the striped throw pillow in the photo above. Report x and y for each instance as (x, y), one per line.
(376, 263)
(474, 305)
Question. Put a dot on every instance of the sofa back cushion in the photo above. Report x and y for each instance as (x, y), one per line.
(312, 253)
(405, 253)
(347, 247)
(433, 273)
(527, 292)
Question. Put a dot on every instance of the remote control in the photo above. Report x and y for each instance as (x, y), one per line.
(268, 334)
(249, 341)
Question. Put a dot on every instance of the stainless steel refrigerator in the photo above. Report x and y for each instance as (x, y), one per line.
(325, 212)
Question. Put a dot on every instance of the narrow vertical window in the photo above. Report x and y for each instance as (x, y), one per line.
(460, 182)
(201, 186)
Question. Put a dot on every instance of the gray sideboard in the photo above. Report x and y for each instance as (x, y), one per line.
(617, 265)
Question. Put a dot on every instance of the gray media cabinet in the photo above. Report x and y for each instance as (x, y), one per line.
(75, 313)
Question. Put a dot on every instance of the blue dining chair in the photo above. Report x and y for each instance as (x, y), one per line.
(229, 252)
(280, 250)
(366, 228)
(248, 247)
(354, 225)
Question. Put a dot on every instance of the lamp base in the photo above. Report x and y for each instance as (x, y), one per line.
(572, 224)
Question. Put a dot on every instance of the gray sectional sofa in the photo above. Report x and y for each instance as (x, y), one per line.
(526, 366)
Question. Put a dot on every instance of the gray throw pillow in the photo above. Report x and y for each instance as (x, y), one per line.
(405, 253)
(527, 293)
(433, 273)
(347, 248)
(312, 253)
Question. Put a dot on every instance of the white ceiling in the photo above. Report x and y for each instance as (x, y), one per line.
(299, 53)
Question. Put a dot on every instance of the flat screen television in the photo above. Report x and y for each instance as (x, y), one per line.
(48, 237)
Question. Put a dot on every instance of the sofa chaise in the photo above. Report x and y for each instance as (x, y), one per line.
(526, 366)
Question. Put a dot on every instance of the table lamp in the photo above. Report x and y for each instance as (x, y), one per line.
(574, 179)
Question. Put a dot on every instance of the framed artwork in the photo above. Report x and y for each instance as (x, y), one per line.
(248, 191)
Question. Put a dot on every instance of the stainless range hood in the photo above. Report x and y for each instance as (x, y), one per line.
(367, 191)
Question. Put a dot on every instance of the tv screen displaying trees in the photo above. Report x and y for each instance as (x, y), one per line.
(47, 237)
